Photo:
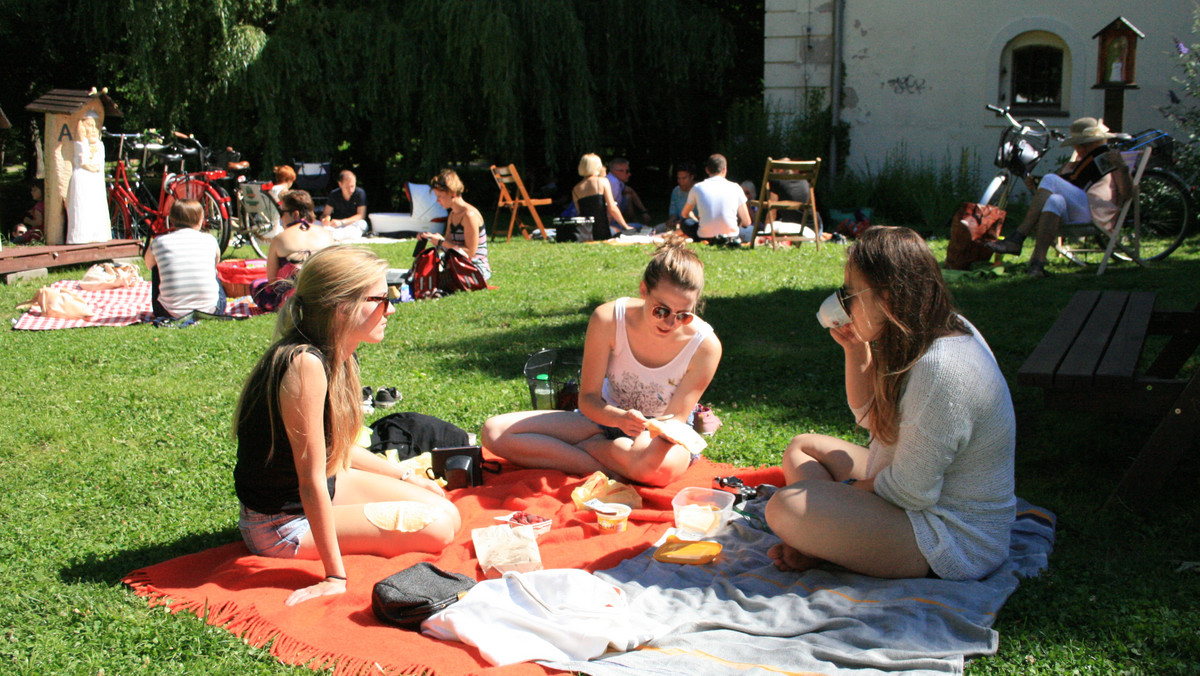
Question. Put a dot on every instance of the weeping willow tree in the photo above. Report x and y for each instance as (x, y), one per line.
(439, 81)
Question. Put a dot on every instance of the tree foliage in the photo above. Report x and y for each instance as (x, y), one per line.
(1185, 111)
(437, 81)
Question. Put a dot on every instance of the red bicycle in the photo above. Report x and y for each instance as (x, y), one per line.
(133, 210)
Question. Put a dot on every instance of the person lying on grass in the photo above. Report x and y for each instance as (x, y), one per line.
(643, 358)
(307, 490)
(934, 491)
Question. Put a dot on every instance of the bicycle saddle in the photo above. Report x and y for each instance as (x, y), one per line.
(237, 166)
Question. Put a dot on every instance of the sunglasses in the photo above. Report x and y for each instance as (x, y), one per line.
(662, 312)
(844, 296)
(382, 300)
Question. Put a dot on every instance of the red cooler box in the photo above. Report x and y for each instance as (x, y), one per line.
(237, 275)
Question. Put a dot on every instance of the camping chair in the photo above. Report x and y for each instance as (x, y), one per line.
(788, 170)
(508, 179)
(1137, 161)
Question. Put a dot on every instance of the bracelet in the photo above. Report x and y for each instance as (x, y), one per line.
(335, 577)
(850, 482)
(407, 474)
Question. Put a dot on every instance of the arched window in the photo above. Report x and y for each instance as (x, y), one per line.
(1035, 71)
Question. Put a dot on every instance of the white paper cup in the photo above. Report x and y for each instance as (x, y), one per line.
(832, 314)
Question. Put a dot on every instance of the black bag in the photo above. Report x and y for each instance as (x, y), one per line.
(460, 466)
(406, 598)
(412, 434)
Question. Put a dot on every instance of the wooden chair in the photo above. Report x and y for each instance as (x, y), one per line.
(1137, 161)
(514, 196)
(788, 170)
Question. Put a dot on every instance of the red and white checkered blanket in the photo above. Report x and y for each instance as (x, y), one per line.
(115, 307)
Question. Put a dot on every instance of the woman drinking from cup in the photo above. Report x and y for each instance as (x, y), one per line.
(933, 492)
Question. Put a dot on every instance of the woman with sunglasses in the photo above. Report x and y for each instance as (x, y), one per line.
(306, 489)
(933, 492)
(643, 358)
(465, 232)
(302, 235)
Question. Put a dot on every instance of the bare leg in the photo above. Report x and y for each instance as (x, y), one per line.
(543, 439)
(847, 526)
(816, 457)
(1047, 232)
(1035, 211)
(438, 518)
(654, 462)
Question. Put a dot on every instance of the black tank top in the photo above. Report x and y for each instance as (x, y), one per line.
(268, 486)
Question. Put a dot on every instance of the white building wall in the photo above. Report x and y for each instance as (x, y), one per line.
(921, 71)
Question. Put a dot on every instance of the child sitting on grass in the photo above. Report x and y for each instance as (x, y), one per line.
(183, 265)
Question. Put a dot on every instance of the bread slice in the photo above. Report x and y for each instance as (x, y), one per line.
(678, 432)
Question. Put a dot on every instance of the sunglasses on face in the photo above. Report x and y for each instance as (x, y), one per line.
(844, 296)
(661, 312)
(381, 300)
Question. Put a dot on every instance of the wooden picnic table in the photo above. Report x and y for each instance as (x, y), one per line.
(1088, 360)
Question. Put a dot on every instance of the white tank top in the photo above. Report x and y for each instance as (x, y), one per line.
(630, 384)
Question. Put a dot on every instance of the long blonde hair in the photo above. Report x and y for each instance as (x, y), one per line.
(330, 285)
(898, 266)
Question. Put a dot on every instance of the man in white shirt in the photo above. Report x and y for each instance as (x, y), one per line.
(719, 203)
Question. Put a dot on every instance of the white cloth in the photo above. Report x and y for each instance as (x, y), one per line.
(562, 614)
(187, 271)
(87, 198)
(630, 384)
(951, 469)
(716, 200)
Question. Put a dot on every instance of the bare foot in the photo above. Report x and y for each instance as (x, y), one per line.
(787, 558)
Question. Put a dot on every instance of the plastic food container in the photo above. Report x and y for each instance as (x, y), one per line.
(614, 523)
(700, 512)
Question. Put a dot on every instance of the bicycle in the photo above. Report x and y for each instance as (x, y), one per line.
(258, 216)
(135, 213)
(1165, 202)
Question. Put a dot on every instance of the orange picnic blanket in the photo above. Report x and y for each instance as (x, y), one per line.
(231, 588)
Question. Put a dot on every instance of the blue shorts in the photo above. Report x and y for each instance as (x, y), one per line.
(274, 535)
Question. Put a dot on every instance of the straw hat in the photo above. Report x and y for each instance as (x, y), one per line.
(1086, 130)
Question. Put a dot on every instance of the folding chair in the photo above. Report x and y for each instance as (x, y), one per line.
(1137, 161)
(514, 199)
(788, 170)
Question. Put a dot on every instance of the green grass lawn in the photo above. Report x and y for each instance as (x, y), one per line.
(117, 451)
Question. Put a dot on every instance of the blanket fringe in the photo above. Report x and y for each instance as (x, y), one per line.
(257, 632)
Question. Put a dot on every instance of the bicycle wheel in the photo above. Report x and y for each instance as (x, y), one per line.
(1166, 213)
(119, 218)
(216, 215)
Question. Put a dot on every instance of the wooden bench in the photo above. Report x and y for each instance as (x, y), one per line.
(1088, 360)
(22, 259)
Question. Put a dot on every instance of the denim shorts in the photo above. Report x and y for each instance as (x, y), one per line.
(274, 535)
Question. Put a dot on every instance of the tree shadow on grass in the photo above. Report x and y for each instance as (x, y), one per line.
(110, 567)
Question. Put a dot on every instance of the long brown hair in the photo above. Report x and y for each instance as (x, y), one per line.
(904, 276)
(331, 283)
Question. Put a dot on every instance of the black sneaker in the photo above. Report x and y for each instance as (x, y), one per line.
(1037, 270)
(1004, 246)
(386, 397)
(368, 400)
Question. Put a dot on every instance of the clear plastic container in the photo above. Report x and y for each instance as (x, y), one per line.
(701, 512)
